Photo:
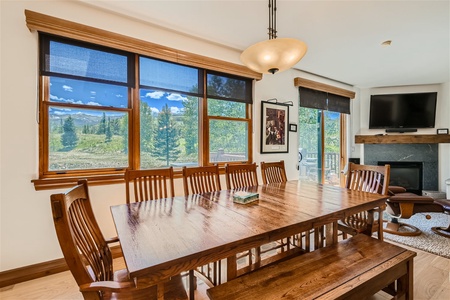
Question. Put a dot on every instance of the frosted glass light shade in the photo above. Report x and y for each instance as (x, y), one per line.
(273, 55)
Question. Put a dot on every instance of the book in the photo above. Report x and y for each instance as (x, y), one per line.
(245, 197)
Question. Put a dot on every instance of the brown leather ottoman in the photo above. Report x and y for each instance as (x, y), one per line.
(445, 203)
(403, 205)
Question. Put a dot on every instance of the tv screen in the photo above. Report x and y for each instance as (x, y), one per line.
(417, 110)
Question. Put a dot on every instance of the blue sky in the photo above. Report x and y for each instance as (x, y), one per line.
(98, 94)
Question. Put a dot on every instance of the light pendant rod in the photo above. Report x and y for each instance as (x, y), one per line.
(272, 19)
(273, 55)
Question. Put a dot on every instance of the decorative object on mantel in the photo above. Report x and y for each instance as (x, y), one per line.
(442, 131)
(273, 55)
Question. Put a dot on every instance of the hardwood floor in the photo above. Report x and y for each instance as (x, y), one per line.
(431, 282)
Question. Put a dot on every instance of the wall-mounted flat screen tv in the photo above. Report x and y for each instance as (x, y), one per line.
(416, 110)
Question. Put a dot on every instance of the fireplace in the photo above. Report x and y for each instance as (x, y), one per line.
(407, 174)
(427, 154)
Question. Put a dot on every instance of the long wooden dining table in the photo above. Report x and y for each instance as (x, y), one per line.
(165, 237)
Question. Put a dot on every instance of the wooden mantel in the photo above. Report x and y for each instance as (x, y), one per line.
(403, 139)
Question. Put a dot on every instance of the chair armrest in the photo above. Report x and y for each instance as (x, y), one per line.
(410, 199)
(112, 240)
(396, 189)
(108, 286)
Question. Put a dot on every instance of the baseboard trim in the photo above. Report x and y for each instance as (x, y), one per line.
(39, 270)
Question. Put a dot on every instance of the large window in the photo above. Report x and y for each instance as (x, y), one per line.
(103, 110)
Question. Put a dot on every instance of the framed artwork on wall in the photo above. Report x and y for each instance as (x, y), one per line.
(274, 127)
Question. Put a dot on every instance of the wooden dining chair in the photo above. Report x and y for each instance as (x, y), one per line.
(371, 179)
(89, 257)
(240, 175)
(149, 184)
(273, 172)
(197, 180)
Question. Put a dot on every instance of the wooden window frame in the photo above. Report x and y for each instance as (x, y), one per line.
(62, 28)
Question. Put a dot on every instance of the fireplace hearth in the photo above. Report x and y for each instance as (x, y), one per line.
(407, 174)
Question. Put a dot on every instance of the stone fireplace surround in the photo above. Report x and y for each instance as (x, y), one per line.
(426, 153)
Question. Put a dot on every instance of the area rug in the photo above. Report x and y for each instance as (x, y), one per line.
(428, 241)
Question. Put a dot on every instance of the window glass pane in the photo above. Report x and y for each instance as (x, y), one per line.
(226, 108)
(332, 147)
(87, 93)
(169, 129)
(87, 139)
(169, 76)
(229, 88)
(309, 143)
(228, 141)
(80, 61)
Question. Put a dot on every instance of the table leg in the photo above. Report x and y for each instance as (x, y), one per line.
(231, 267)
(331, 233)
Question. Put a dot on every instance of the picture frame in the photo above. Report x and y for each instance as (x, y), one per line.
(442, 131)
(274, 127)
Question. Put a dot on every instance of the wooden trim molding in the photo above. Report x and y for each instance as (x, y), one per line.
(403, 139)
(310, 84)
(35, 271)
(48, 24)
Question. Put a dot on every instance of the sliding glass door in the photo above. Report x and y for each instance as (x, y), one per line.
(320, 141)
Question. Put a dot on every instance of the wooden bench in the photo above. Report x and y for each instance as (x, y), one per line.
(354, 268)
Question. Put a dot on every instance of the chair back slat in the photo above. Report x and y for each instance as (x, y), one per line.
(240, 175)
(198, 180)
(366, 178)
(273, 172)
(82, 243)
(149, 184)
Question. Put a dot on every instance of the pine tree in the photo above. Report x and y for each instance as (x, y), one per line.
(69, 138)
(102, 125)
(147, 128)
(124, 133)
(190, 117)
(166, 142)
(108, 133)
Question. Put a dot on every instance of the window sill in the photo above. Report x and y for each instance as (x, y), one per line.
(67, 182)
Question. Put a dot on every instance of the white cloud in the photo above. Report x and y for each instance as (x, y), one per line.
(67, 88)
(176, 97)
(119, 96)
(155, 110)
(175, 110)
(93, 103)
(57, 99)
(93, 93)
(155, 95)
(62, 111)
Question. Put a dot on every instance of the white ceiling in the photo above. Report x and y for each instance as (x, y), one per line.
(343, 37)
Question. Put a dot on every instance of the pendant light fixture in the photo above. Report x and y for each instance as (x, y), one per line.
(273, 55)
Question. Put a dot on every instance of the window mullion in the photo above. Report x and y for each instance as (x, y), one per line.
(204, 125)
